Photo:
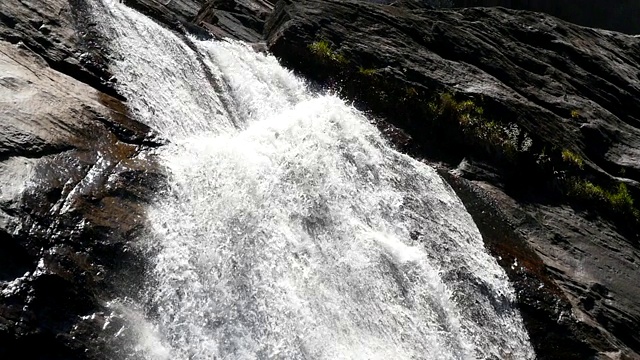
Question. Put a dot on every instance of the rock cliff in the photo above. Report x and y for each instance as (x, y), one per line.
(531, 119)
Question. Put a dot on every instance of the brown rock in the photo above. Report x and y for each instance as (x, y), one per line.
(72, 189)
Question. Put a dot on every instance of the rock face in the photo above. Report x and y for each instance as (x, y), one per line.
(618, 15)
(556, 104)
(236, 19)
(242, 20)
(72, 185)
(570, 85)
(557, 90)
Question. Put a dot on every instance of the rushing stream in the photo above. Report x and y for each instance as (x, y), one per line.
(291, 229)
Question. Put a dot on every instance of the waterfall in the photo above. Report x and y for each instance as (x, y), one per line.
(291, 229)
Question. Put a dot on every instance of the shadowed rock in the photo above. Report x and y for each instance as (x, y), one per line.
(620, 15)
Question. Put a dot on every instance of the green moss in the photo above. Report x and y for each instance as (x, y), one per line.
(464, 112)
(572, 159)
(323, 50)
(366, 72)
(586, 190)
(621, 199)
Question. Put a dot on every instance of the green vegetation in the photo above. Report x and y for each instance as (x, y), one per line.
(366, 72)
(575, 114)
(618, 200)
(465, 113)
(411, 92)
(490, 135)
(323, 50)
(507, 139)
(572, 159)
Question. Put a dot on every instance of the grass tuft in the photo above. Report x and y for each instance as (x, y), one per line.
(619, 199)
(323, 50)
(366, 72)
(490, 135)
(572, 159)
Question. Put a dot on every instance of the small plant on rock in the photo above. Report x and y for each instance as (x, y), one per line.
(322, 49)
(618, 200)
(494, 137)
(572, 159)
(411, 92)
(366, 71)
(575, 114)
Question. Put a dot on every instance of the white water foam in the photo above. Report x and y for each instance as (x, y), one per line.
(291, 229)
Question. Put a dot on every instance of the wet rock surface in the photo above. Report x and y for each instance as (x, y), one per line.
(73, 180)
(58, 32)
(564, 87)
(240, 20)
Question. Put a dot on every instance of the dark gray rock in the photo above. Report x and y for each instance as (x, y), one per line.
(242, 20)
(175, 14)
(239, 20)
(620, 15)
(51, 30)
(531, 69)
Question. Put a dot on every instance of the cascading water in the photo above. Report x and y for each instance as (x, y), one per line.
(291, 229)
